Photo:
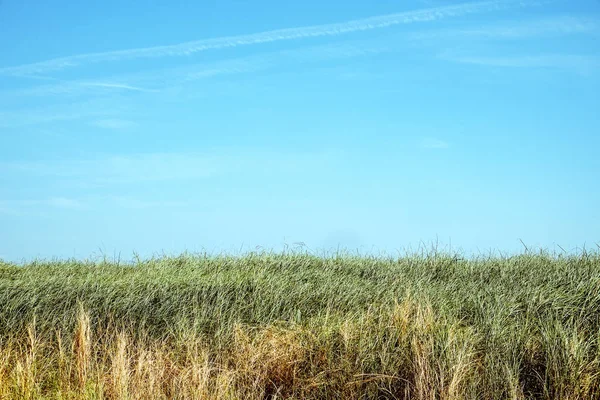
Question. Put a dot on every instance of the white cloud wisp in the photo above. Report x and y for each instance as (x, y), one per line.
(188, 48)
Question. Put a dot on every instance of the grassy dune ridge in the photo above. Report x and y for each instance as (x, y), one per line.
(263, 325)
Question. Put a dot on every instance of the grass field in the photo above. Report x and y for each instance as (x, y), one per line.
(425, 326)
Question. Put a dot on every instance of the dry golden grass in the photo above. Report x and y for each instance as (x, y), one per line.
(433, 358)
(275, 361)
(299, 327)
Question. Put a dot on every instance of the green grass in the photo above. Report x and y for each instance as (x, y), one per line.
(421, 326)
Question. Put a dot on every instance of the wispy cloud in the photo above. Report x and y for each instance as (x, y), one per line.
(31, 117)
(162, 79)
(141, 204)
(114, 124)
(115, 86)
(88, 203)
(121, 169)
(25, 207)
(563, 61)
(187, 48)
(166, 167)
(6, 209)
(61, 87)
(434, 143)
(97, 108)
(64, 202)
(538, 27)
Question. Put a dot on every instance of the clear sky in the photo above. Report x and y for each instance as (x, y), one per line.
(167, 126)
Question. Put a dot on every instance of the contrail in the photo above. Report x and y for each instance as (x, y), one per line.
(187, 48)
(74, 87)
(115, 86)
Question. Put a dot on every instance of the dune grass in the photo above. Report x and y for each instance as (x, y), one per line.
(426, 326)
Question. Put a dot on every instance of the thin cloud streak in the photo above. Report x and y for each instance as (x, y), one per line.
(105, 115)
(99, 109)
(166, 167)
(77, 87)
(133, 203)
(88, 203)
(64, 202)
(25, 118)
(562, 61)
(122, 169)
(115, 124)
(162, 79)
(188, 48)
(554, 26)
(434, 143)
(116, 86)
(159, 80)
(20, 207)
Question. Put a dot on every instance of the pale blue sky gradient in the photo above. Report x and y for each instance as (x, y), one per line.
(220, 125)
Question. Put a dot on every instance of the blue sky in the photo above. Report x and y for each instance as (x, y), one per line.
(228, 125)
